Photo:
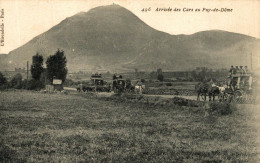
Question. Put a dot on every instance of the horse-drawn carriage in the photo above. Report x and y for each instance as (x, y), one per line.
(239, 88)
(121, 85)
(97, 84)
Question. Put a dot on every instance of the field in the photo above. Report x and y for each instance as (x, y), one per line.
(38, 127)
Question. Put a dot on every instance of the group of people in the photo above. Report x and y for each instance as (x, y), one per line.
(116, 76)
(239, 81)
(96, 75)
(239, 70)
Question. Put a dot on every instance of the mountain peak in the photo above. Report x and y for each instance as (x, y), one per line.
(109, 7)
(112, 37)
(103, 9)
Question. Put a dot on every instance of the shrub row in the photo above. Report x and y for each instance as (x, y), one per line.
(182, 92)
(155, 100)
(210, 108)
(24, 84)
(221, 108)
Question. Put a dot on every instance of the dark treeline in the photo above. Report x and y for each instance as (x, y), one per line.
(55, 69)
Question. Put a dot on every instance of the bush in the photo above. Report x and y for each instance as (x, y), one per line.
(4, 86)
(33, 85)
(24, 84)
(16, 81)
(160, 77)
(221, 108)
(168, 84)
(8, 154)
(185, 102)
(69, 83)
(154, 100)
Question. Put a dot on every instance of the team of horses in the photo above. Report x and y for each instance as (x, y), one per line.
(137, 88)
(211, 90)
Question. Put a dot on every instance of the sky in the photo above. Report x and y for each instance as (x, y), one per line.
(24, 20)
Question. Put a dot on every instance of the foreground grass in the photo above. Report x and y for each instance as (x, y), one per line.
(49, 127)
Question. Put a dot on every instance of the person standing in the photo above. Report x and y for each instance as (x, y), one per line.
(237, 70)
(246, 70)
(114, 76)
(232, 70)
(242, 70)
(81, 87)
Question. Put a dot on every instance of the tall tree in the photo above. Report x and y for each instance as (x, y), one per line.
(37, 66)
(56, 66)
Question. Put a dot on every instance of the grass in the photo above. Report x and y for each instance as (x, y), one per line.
(39, 127)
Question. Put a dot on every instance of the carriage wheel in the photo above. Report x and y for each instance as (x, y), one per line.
(229, 98)
(238, 97)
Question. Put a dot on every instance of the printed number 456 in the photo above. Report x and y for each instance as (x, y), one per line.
(146, 9)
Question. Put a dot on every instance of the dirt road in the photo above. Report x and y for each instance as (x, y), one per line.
(171, 96)
(163, 96)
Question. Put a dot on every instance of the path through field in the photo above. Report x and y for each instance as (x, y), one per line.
(111, 93)
(163, 96)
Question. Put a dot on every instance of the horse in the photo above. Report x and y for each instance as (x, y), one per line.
(119, 88)
(130, 88)
(213, 91)
(202, 90)
(99, 89)
(221, 95)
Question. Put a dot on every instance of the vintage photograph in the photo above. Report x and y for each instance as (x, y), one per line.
(129, 81)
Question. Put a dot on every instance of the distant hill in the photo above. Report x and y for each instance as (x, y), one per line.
(114, 39)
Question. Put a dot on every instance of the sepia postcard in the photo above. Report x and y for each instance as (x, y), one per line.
(129, 81)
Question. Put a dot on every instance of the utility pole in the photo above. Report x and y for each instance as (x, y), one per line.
(251, 62)
(27, 71)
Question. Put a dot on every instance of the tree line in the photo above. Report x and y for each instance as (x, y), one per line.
(200, 74)
(55, 69)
